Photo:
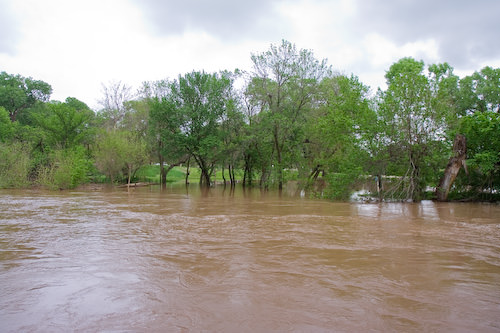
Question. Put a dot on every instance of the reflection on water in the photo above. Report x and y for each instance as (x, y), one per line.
(244, 261)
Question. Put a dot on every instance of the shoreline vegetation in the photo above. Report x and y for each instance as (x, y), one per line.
(293, 119)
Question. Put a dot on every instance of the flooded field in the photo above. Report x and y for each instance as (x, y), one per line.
(183, 260)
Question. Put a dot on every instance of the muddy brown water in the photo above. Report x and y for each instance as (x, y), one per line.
(245, 261)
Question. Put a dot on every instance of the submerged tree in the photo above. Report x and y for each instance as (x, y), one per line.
(119, 152)
(204, 99)
(337, 132)
(412, 127)
(285, 82)
(187, 118)
(165, 119)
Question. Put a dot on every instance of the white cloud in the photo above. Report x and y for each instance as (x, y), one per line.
(382, 52)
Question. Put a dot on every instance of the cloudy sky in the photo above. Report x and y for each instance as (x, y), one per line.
(76, 46)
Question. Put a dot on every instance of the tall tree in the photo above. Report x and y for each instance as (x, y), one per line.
(412, 127)
(165, 121)
(232, 127)
(285, 81)
(118, 152)
(187, 117)
(337, 134)
(204, 99)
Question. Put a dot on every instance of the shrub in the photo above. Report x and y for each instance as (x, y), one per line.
(14, 165)
(67, 169)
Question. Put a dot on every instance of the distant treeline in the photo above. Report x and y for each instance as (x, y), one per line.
(291, 111)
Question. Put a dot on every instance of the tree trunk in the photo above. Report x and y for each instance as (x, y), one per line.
(247, 175)
(278, 156)
(205, 180)
(163, 174)
(453, 167)
(187, 171)
(233, 177)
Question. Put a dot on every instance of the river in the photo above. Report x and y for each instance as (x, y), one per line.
(186, 260)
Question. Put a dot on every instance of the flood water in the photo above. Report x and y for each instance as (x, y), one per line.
(220, 261)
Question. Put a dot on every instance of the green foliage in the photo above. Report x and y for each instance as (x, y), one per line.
(292, 120)
(341, 185)
(64, 125)
(119, 152)
(444, 86)
(14, 165)
(480, 91)
(413, 127)
(482, 130)
(18, 93)
(186, 120)
(151, 173)
(284, 85)
(6, 127)
(109, 154)
(66, 169)
(337, 130)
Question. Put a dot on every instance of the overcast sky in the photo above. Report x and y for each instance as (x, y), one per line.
(76, 46)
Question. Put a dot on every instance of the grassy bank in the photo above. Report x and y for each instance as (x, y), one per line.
(151, 174)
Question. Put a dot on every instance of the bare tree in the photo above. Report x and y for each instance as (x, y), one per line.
(114, 102)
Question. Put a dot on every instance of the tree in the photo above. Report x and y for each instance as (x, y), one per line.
(250, 108)
(114, 104)
(164, 125)
(232, 137)
(412, 127)
(65, 126)
(118, 151)
(135, 151)
(445, 94)
(455, 164)
(285, 81)
(187, 118)
(337, 134)
(18, 93)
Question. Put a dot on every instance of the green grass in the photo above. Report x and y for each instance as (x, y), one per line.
(151, 174)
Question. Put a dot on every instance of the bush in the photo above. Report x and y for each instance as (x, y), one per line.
(341, 185)
(66, 170)
(14, 165)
